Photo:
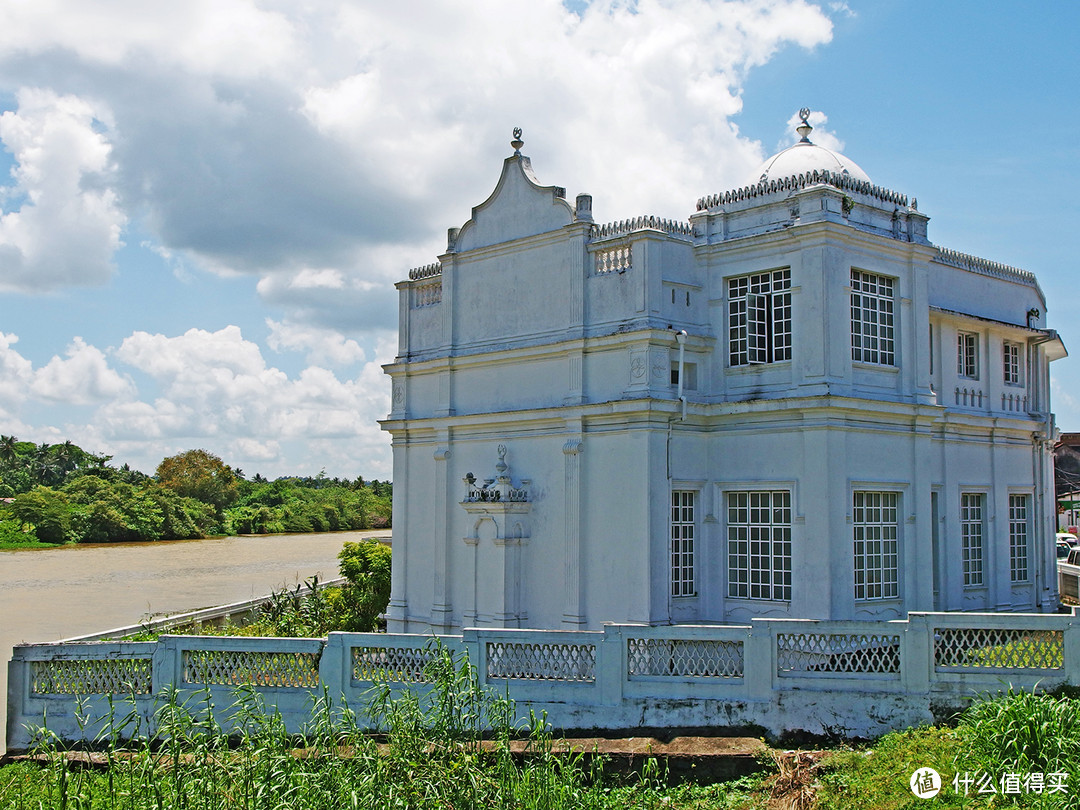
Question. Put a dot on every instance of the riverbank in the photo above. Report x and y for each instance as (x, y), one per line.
(74, 590)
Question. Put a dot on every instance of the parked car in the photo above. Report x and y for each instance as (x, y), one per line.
(1065, 543)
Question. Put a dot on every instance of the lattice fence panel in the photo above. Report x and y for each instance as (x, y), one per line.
(999, 648)
(392, 664)
(91, 676)
(837, 653)
(686, 658)
(542, 662)
(235, 667)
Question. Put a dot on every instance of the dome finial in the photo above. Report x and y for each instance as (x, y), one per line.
(517, 143)
(804, 129)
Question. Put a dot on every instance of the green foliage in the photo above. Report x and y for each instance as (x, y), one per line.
(306, 505)
(64, 493)
(200, 475)
(1023, 732)
(432, 756)
(47, 510)
(366, 565)
(24, 464)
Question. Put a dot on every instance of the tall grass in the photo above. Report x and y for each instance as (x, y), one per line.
(431, 752)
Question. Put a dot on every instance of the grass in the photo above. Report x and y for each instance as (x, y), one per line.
(432, 751)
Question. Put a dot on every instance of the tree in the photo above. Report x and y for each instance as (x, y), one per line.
(47, 510)
(200, 475)
(367, 567)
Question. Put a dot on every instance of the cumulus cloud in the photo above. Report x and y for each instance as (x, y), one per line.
(323, 149)
(217, 390)
(60, 221)
(293, 142)
(323, 347)
(82, 378)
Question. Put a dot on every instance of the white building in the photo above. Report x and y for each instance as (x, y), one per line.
(791, 405)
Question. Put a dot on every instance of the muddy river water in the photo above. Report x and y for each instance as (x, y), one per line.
(50, 594)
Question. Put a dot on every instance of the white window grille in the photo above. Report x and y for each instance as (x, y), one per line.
(1018, 538)
(682, 543)
(759, 545)
(873, 330)
(967, 355)
(971, 536)
(1011, 358)
(759, 318)
(876, 530)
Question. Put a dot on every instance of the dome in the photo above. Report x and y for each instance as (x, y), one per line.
(803, 158)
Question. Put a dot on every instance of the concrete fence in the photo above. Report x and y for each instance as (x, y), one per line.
(858, 679)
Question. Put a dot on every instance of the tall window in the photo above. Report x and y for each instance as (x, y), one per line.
(967, 355)
(682, 543)
(759, 318)
(876, 544)
(759, 545)
(1018, 538)
(971, 536)
(1011, 354)
(872, 326)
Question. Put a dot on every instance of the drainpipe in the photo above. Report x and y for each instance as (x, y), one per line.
(680, 336)
(1038, 463)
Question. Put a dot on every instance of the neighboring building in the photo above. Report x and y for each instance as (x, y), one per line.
(791, 405)
(1067, 481)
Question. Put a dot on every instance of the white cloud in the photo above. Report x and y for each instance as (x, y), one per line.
(16, 374)
(82, 378)
(218, 392)
(66, 222)
(297, 142)
(323, 346)
(820, 135)
(325, 148)
(233, 38)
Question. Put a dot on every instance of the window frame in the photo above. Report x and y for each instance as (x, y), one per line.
(973, 538)
(762, 573)
(967, 355)
(1019, 537)
(683, 534)
(759, 318)
(884, 574)
(873, 318)
(1015, 365)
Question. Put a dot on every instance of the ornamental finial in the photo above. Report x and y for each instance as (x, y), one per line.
(517, 143)
(804, 129)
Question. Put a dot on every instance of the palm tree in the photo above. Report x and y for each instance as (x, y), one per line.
(8, 450)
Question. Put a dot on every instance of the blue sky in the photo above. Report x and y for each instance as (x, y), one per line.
(204, 206)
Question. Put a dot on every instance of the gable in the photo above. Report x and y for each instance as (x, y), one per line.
(518, 207)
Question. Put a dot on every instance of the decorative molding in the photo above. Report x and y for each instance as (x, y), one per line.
(427, 271)
(801, 181)
(642, 223)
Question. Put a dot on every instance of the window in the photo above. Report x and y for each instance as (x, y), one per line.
(689, 375)
(872, 328)
(759, 545)
(759, 318)
(1018, 538)
(967, 355)
(1011, 357)
(682, 543)
(874, 515)
(971, 536)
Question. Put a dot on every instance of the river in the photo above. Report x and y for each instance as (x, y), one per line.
(50, 594)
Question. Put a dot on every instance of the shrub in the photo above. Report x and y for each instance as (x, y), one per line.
(366, 565)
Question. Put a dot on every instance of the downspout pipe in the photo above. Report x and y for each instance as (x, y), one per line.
(680, 336)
